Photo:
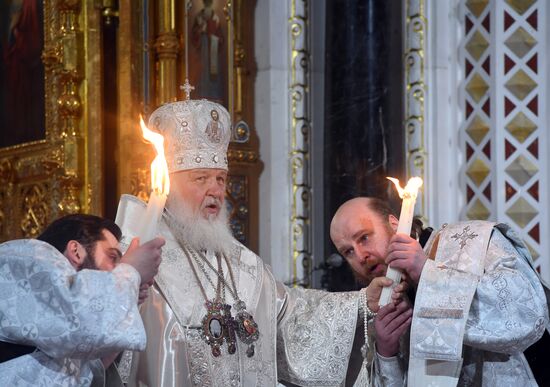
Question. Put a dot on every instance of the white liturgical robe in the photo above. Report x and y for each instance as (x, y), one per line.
(306, 336)
(72, 318)
(478, 306)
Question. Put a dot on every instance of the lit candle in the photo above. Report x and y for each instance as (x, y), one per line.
(408, 194)
(160, 184)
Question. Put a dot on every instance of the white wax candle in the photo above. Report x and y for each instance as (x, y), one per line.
(404, 226)
(160, 182)
(149, 223)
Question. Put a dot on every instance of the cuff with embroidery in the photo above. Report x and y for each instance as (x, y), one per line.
(389, 368)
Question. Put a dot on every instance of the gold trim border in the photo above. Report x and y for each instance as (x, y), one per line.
(415, 97)
(300, 142)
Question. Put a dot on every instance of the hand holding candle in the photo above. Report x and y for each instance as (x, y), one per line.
(160, 184)
(408, 194)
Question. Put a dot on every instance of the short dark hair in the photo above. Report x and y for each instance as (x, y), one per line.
(83, 228)
(384, 210)
(380, 207)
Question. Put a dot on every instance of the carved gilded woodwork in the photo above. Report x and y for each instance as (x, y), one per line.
(60, 173)
(65, 171)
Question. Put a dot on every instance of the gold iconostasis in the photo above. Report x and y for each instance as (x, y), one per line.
(75, 76)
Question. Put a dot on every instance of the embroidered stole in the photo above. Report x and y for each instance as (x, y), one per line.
(444, 295)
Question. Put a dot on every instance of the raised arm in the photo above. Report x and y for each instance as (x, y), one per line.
(45, 303)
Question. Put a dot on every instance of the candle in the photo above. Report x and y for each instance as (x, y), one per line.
(408, 194)
(152, 216)
(160, 184)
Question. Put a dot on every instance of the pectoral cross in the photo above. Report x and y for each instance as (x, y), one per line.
(187, 89)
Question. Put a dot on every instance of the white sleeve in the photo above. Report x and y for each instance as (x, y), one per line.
(316, 332)
(45, 303)
(508, 311)
(388, 371)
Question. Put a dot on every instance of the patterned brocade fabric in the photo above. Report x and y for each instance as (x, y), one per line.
(316, 336)
(508, 313)
(197, 134)
(317, 328)
(509, 302)
(73, 318)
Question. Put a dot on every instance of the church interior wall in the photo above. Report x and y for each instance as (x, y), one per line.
(486, 116)
(487, 57)
(447, 167)
(272, 124)
(444, 195)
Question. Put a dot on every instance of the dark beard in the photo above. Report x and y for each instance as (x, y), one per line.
(89, 263)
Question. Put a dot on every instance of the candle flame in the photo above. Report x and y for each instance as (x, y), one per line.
(410, 190)
(160, 181)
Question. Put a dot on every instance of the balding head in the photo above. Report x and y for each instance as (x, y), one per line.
(358, 206)
(346, 211)
(360, 230)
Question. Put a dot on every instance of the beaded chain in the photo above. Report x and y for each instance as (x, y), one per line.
(368, 314)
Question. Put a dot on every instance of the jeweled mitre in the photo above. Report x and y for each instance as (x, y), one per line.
(196, 134)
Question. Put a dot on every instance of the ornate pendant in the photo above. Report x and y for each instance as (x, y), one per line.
(214, 326)
(246, 328)
(230, 330)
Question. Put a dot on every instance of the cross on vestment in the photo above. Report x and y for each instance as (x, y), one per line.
(464, 236)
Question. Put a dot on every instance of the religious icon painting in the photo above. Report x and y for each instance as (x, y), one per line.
(214, 326)
(214, 129)
(247, 330)
(208, 47)
(22, 101)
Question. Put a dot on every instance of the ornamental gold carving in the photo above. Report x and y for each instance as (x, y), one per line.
(35, 209)
(6, 192)
(51, 176)
(70, 204)
(140, 183)
(167, 45)
(242, 156)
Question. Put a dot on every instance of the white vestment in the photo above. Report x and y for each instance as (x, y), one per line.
(72, 318)
(306, 336)
(507, 314)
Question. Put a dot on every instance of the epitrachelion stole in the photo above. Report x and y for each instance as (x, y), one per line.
(445, 292)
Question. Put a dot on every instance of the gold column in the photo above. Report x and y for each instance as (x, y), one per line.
(70, 107)
(237, 60)
(166, 46)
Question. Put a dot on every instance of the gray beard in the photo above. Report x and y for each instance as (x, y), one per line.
(200, 233)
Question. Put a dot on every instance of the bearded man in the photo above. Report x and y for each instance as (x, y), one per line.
(479, 302)
(216, 316)
(68, 302)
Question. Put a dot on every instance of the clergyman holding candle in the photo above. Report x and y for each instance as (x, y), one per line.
(478, 303)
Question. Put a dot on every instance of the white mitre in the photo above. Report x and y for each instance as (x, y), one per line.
(196, 134)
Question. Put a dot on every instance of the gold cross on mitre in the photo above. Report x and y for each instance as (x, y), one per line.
(187, 89)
